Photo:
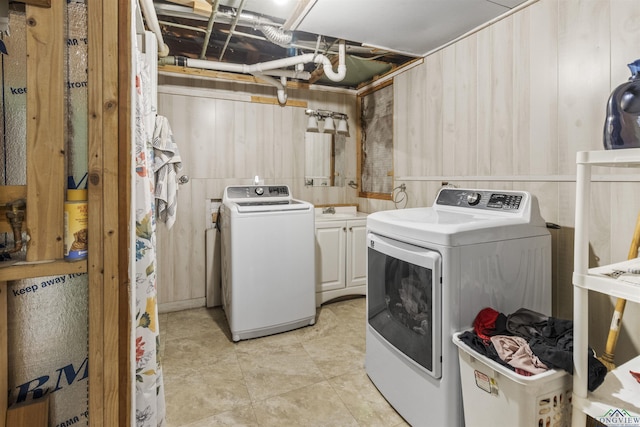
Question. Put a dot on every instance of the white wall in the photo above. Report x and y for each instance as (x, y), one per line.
(508, 108)
(505, 108)
(225, 139)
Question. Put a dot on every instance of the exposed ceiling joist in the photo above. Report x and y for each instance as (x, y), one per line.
(377, 33)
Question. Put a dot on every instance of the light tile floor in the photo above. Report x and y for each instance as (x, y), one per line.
(313, 376)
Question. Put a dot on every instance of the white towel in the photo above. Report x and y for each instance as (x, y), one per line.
(166, 164)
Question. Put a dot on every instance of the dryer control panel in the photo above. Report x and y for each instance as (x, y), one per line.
(509, 201)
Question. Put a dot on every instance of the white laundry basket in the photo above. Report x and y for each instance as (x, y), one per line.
(494, 395)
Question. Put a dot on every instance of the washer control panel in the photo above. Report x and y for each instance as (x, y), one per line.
(481, 199)
(257, 191)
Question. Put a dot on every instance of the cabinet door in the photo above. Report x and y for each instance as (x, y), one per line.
(356, 253)
(330, 253)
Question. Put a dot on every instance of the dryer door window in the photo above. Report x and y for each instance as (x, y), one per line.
(404, 300)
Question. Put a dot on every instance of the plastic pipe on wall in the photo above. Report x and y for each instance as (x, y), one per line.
(280, 86)
(342, 67)
(265, 67)
(152, 21)
(261, 69)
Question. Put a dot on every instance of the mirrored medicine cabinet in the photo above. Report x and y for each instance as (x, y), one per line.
(324, 159)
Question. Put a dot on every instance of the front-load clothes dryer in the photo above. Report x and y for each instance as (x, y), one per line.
(429, 272)
(268, 260)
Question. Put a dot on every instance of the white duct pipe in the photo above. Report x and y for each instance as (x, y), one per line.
(276, 35)
(152, 22)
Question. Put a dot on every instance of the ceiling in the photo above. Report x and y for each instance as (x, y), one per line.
(380, 35)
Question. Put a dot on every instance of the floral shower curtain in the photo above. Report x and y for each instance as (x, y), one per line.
(149, 399)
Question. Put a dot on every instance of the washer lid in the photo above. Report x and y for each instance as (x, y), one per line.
(458, 217)
(270, 206)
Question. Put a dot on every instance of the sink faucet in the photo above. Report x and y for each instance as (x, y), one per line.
(329, 210)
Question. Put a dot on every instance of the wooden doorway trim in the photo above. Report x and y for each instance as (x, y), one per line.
(109, 59)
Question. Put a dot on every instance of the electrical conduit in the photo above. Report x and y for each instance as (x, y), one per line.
(207, 37)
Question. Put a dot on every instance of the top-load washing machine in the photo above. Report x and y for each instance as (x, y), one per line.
(429, 272)
(267, 260)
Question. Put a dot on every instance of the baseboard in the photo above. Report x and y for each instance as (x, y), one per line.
(168, 307)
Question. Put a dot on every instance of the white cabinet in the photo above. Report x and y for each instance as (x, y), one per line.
(619, 390)
(340, 258)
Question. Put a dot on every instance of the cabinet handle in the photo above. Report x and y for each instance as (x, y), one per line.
(344, 228)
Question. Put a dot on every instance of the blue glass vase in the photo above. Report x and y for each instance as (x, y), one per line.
(622, 125)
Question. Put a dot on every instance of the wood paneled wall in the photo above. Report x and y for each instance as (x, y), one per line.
(508, 108)
(225, 139)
